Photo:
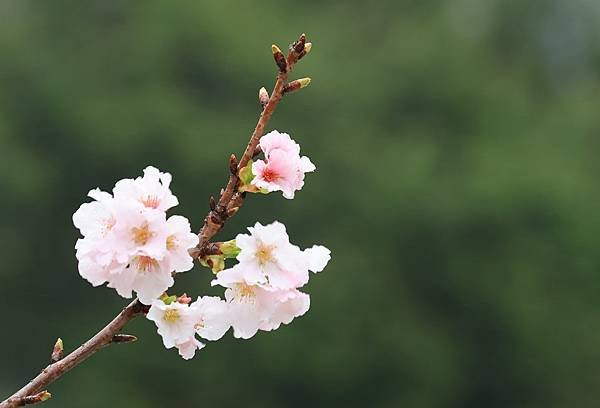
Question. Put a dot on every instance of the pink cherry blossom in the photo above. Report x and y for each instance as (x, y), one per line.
(175, 324)
(178, 323)
(268, 258)
(275, 140)
(128, 241)
(146, 276)
(211, 317)
(151, 190)
(187, 348)
(178, 242)
(253, 307)
(283, 168)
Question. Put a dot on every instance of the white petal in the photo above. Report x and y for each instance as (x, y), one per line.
(318, 256)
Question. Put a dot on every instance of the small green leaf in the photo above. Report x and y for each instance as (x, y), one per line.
(169, 299)
(246, 175)
(230, 249)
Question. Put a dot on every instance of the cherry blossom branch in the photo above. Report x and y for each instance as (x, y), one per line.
(231, 199)
(229, 202)
(57, 369)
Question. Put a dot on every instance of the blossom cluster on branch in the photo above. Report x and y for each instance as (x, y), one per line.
(130, 244)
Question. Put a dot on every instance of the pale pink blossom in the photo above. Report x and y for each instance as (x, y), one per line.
(275, 140)
(152, 190)
(179, 241)
(128, 241)
(139, 231)
(283, 168)
(187, 348)
(178, 323)
(211, 317)
(268, 258)
(253, 307)
(146, 276)
(174, 322)
(95, 220)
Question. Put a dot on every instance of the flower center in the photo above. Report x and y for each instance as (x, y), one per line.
(108, 224)
(171, 315)
(151, 201)
(270, 175)
(145, 263)
(245, 291)
(264, 254)
(171, 242)
(141, 235)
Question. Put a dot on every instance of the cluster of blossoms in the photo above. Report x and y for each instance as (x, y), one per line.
(129, 243)
(262, 289)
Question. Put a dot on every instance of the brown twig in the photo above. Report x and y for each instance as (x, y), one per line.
(229, 202)
(56, 370)
(231, 199)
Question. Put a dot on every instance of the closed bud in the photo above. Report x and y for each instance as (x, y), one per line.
(34, 399)
(57, 351)
(123, 338)
(307, 48)
(296, 84)
(279, 58)
(184, 299)
(233, 164)
(299, 45)
(263, 96)
(304, 82)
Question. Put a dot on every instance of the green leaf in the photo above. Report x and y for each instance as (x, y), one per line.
(246, 175)
(230, 249)
(169, 299)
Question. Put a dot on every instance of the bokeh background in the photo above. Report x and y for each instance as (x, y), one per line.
(457, 187)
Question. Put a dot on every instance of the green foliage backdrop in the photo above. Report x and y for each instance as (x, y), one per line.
(456, 148)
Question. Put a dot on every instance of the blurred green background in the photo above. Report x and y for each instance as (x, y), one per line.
(456, 146)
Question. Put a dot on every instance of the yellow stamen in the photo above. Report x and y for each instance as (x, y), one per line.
(244, 290)
(145, 263)
(171, 242)
(171, 315)
(142, 235)
(264, 254)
